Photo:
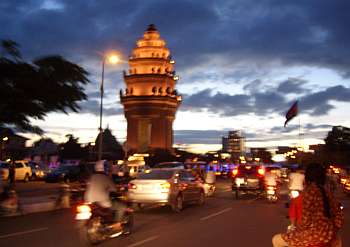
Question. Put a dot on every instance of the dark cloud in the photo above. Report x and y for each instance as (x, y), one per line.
(93, 107)
(311, 32)
(265, 103)
(304, 128)
(218, 102)
(319, 103)
(198, 136)
(292, 85)
(229, 42)
(277, 133)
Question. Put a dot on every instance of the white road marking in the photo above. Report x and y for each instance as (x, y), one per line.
(23, 232)
(143, 241)
(216, 214)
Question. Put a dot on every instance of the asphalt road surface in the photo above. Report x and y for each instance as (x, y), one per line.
(222, 221)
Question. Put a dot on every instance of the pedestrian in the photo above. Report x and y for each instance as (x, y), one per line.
(12, 173)
(321, 217)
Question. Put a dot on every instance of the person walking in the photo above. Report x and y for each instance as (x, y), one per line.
(321, 217)
(12, 173)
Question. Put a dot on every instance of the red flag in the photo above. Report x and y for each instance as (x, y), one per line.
(292, 112)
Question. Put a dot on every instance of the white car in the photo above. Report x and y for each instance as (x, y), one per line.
(23, 170)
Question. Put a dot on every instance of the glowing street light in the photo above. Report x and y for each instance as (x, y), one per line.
(113, 59)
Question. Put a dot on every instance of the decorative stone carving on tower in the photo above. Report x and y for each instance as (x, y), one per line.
(150, 100)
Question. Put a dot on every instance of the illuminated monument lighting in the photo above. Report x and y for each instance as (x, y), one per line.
(150, 100)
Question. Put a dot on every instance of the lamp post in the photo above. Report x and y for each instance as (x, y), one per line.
(113, 59)
(2, 146)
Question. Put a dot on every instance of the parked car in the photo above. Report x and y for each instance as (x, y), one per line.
(247, 178)
(22, 170)
(174, 187)
(66, 173)
(168, 165)
(37, 171)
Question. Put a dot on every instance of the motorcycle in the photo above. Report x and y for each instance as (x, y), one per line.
(96, 224)
(271, 193)
(209, 189)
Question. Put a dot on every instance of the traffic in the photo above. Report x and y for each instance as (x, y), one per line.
(104, 213)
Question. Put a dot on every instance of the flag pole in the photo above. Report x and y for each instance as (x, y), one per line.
(300, 140)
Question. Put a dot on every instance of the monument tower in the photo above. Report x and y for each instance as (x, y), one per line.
(150, 100)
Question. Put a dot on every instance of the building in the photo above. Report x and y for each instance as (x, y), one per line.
(12, 146)
(234, 144)
(150, 99)
(261, 155)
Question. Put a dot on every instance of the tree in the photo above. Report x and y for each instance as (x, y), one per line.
(45, 147)
(111, 148)
(159, 155)
(72, 150)
(337, 145)
(33, 89)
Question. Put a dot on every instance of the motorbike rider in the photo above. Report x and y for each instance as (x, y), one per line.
(210, 177)
(209, 181)
(296, 180)
(98, 191)
(271, 179)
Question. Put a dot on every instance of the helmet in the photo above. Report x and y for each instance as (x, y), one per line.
(99, 166)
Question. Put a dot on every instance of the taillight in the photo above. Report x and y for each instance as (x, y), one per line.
(83, 212)
(132, 186)
(234, 172)
(261, 171)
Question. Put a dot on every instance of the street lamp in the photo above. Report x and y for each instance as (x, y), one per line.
(2, 146)
(113, 59)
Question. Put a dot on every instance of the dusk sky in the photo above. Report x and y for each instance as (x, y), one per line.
(242, 63)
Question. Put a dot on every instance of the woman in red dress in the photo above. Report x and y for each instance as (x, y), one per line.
(321, 214)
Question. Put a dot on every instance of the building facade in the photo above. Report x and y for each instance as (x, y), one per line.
(150, 99)
(234, 144)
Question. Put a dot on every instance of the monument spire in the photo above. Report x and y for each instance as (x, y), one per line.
(150, 99)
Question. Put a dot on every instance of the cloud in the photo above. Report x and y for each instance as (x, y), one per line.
(93, 107)
(198, 136)
(292, 85)
(292, 32)
(267, 102)
(319, 103)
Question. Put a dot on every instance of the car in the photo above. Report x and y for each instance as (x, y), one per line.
(37, 171)
(247, 178)
(22, 170)
(66, 173)
(170, 165)
(173, 187)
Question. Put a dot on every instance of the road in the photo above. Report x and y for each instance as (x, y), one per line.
(222, 221)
